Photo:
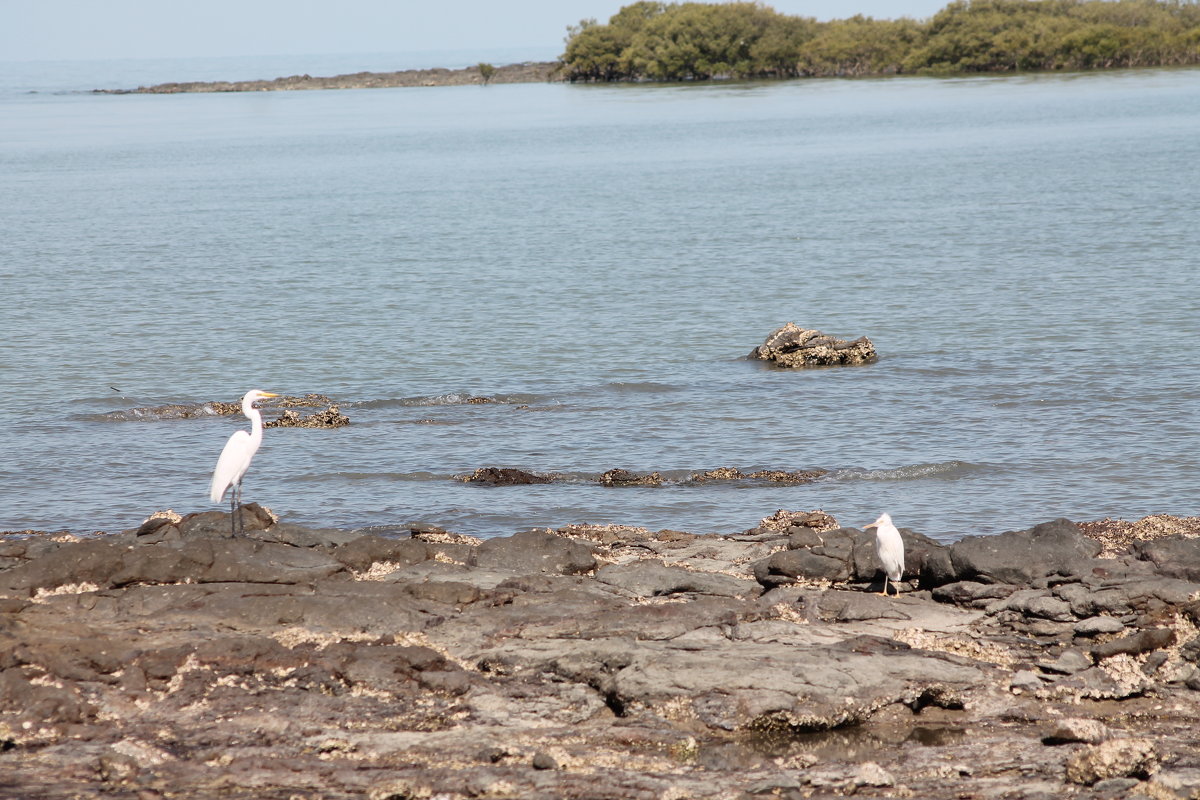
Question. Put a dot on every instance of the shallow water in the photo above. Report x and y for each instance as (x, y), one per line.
(1020, 249)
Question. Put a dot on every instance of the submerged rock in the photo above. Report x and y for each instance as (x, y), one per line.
(792, 346)
(770, 475)
(331, 418)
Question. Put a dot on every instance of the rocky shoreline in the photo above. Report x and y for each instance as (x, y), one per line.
(598, 662)
(528, 72)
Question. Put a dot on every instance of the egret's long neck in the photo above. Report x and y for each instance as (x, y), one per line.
(256, 423)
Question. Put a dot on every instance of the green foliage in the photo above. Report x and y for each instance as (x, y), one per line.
(696, 41)
(859, 46)
(486, 71)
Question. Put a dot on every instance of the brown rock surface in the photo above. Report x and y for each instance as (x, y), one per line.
(589, 661)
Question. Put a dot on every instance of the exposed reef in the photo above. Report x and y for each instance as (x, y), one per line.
(618, 477)
(594, 662)
(528, 72)
(330, 417)
(792, 346)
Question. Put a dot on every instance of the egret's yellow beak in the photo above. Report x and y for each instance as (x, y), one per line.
(269, 394)
(872, 525)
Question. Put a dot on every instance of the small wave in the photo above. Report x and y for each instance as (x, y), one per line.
(912, 472)
(156, 413)
(352, 477)
(640, 387)
(452, 399)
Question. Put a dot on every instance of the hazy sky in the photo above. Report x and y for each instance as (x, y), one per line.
(87, 29)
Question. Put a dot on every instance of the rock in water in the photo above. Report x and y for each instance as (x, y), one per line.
(331, 417)
(503, 476)
(793, 346)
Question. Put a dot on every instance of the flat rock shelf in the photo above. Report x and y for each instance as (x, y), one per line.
(594, 662)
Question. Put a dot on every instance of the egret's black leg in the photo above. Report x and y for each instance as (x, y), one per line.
(232, 511)
(239, 525)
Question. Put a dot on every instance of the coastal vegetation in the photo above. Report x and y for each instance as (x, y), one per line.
(650, 40)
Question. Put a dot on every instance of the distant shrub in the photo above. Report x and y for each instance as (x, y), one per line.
(650, 40)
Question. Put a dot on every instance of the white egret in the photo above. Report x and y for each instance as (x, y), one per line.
(236, 457)
(890, 549)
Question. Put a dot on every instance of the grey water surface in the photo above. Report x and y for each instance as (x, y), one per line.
(1022, 250)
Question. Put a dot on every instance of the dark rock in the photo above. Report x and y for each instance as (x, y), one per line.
(1095, 626)
(1172, 556)
(802, 538)
(285, 663)
(792, 346)
(783, 521)
(769, 475)
(1125, 596)
(109, 563)
(505, 476)
(972, 593)
(331, 417)
(215, 524)
(1190, 651)
(924, 559)
(788, 566)
(1115, 787)
(534, 551)
(1026, 680)
(1035, 603)
(1069, 662)
(623, 477)
(363, 551)
(301, 536)
(12, 605)
(453, 593)
(849, 554)
(154, 526)
(653, 579)
(1135, 644)
(1021, 557)
(542, 760)
(1153, 662)
(857, 607)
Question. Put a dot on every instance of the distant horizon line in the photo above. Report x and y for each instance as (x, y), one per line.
(483, 51)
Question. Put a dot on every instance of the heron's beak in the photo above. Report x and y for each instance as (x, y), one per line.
(872, 525)
(269, 394)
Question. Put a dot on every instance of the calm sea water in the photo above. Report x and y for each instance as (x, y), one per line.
(1022, 250)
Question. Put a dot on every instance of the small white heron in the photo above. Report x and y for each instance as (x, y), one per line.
(890, 549)
(236, 457)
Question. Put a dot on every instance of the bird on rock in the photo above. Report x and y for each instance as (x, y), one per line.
(236, 457)
(890, 549)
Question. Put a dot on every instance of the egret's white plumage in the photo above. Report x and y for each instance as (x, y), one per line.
(236, 457)
(890, 549)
